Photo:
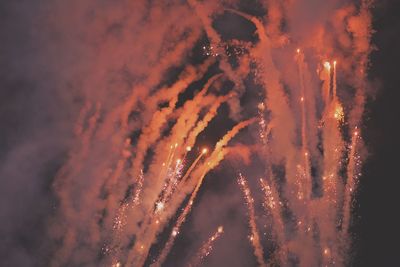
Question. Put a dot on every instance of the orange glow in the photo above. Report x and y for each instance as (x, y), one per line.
(338, 113)
(327, 65)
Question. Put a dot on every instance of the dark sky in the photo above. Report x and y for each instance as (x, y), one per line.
(376, 227)
(25, 205)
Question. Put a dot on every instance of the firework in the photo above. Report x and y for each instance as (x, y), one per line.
(206, 248)
(137, 163)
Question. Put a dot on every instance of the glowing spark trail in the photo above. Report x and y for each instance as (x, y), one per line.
(180, 221)
(206, 248)
(215, 157)
(273, 205)
(352, 180)
(254, 238)
(194, 164)
(334, 80)
(304, 139)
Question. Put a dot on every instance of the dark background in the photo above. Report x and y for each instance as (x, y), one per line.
(377, 209)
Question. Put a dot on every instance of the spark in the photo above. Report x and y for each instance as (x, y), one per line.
(206, 248)
(327, 65)
(139, 186)
(353, 173)
(120, 219)
(334, 81)
(269, 196)
(159, 206)
(262, 123)
(254, 238)
(174, 233)
(338, 113)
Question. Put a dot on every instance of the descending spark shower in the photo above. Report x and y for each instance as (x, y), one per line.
(133, 179)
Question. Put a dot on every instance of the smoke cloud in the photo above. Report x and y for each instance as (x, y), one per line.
(128, 123)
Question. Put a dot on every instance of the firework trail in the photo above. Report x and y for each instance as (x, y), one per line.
(152, 132)
(304, 139)
(201, 125)
(180, 221)
(206, 248)
(212, 161)
(194, 164)
(353, 173)
(334, 80)
(273, 205)
(326, 77)
(149, 230)
(254, 237)
(138, 190)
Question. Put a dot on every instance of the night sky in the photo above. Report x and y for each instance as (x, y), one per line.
(375, 225)
(43, 71)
